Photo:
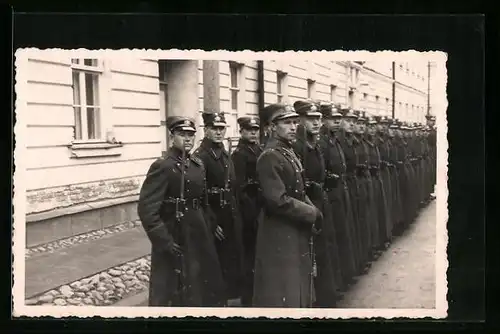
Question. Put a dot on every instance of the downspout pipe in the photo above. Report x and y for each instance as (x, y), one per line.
(393, 89)
(260, 89)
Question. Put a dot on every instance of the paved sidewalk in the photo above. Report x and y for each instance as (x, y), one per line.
(404, 275)
(51, 270)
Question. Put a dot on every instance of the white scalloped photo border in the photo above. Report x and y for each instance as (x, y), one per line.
(19, 197)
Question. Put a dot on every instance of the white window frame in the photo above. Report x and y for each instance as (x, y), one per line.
(163, 91)
(281, 86)
(240, 92)
(106, 143)
(311, 89)
(82, 70)
(333, 93)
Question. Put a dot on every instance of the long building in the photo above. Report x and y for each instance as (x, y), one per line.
(92, 127)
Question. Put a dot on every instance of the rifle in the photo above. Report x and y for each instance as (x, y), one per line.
(312, 252)
(179, 214)
(224, 200)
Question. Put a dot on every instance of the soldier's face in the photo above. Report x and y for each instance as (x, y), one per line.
(346, 124)
(215, 133)
(286, 129)
(252, 135)
(390, 132)
(360, 127)
(371, 129)
(183, 139)
(332, 123)
(312, 124)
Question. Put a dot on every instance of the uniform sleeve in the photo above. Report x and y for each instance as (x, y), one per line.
(240, 169)
(150, 202)
(274, 191)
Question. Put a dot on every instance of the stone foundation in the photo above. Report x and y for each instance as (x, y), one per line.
(64, 223)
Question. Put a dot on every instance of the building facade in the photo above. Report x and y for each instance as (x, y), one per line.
(93, 126)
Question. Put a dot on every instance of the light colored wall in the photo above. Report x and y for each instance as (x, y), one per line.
(131, 111)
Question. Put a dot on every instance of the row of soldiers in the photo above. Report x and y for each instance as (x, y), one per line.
(287, 222)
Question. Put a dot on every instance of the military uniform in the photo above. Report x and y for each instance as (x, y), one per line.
(385, 172)
(380, 199)
(329, 278)
(244, 158)
(338, 194)
(222, 198)
(366, 207)
(283, 262)
(199, 282)
(348, 143)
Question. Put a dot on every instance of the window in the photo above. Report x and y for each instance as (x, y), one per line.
(333, 93)
(310, 89)
(163, 82)
(351, 99)
(234, 76)
(86, 106)
(280, 86)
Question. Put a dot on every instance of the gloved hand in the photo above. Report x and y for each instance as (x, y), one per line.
(318, 224)
(174, 249)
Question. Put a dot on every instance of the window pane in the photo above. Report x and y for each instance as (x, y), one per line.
(234, 76)
(91, 89)
(93, 123)
(76, 88)
(90, 62)
(279, 82)
(75, 61)
(162, 70)
(234, 99)
(78, 123)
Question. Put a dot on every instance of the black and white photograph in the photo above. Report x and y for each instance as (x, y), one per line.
(154, 183)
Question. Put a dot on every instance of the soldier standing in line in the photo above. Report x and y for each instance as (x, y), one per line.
(404, 177)
(431, 122)
(390, 130)
(284, 270)
(407, 132)
(306, 147)
(384, 149)
(348, 142)
(222, 198)
(380, 197)
(172, 203)
(366, 207)
(245, 160)
(337, 190)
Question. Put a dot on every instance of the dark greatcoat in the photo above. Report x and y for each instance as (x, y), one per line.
(216, 160)
(379, 191)
(385, 174)
(329, 278)
(283, 267)
(204, 283)
(338, 195)
(395, 182)
(244, 159)
(348, 143)
(365, 199)
(404, 181)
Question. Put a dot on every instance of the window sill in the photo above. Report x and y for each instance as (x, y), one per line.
(94, 149)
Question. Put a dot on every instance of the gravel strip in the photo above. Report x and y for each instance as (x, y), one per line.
(102, 289)
(79, 239)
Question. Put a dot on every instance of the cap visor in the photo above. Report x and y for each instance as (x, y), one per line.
(288, 115)
(186, 128)
(219, 124)
(314, 114)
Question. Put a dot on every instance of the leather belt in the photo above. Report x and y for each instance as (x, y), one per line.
(194, 203)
